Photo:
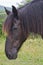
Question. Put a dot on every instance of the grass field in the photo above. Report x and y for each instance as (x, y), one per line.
(31, 52)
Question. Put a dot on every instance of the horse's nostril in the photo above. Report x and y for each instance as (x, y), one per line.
(10, 56)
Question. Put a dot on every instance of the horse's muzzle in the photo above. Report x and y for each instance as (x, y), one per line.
(12, 54)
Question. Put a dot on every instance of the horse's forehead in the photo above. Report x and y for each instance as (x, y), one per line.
(10, 16)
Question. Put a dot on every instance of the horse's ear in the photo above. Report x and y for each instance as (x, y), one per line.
(15, 12)
(7, 11)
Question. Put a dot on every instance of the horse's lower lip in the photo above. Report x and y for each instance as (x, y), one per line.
(12, 58)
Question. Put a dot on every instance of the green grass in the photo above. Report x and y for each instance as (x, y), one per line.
(2, 19)
(31, 52)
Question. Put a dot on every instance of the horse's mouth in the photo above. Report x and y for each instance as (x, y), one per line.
(12, 57)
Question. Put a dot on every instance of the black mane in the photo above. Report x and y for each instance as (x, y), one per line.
(31, 16)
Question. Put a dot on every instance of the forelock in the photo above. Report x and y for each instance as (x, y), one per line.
(8, 24)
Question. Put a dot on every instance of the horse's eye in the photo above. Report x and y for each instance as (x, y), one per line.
(14, 28)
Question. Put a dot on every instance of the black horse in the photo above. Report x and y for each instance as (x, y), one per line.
(20, 23)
